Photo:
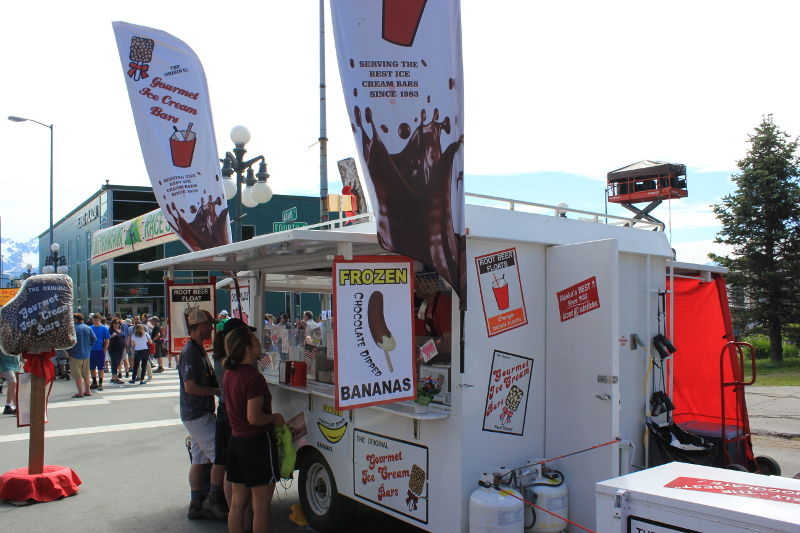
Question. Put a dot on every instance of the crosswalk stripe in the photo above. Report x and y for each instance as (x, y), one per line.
(113, 389)
(95, 429)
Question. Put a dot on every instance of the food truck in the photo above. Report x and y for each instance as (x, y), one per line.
(550, 358)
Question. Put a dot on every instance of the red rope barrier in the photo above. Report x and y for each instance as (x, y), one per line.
(553, 459)
(579, 451)
(523, 500)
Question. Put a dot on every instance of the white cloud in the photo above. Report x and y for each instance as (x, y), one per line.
(697, 251)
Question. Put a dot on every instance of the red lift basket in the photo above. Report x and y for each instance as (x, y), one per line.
(647, 181)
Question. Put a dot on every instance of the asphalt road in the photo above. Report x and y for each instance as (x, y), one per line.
(127, 445)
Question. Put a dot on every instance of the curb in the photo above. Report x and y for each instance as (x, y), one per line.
(790, 436)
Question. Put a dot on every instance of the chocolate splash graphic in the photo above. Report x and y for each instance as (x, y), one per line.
(414, 189)
(207, 230)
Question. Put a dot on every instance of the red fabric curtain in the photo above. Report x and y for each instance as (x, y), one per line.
(702, 328)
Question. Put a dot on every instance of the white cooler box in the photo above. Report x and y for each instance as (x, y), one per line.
(680, 497)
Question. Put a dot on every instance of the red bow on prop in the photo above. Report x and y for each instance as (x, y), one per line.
(506, 414)
(411, 501)
(142, 68)
(39, 364)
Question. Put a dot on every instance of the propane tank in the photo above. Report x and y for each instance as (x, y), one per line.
(546, 489)
(493, 507)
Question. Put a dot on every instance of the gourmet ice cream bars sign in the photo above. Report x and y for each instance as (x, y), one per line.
(171, 107)
(373, 299)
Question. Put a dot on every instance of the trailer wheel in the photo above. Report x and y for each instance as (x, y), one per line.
(734, 466)
(325, 509)
(768, 466)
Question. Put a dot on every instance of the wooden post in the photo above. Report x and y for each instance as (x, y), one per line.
(36, 442)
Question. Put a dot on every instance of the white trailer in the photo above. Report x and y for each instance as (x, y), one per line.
(589, 282)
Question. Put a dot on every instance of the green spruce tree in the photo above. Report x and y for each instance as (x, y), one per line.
(760, 221)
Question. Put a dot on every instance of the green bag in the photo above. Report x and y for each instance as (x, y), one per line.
(286, 453)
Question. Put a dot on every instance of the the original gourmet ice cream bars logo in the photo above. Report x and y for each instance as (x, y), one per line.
(400, 63)
(170, 103)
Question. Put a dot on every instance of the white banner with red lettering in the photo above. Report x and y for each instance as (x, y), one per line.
(171, 107)
(401, 69)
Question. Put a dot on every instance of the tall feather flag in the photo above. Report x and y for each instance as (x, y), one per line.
(401, 69)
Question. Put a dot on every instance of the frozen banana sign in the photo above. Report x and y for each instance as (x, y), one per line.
(373, 301)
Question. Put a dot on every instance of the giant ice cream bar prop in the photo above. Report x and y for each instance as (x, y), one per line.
(171, 107)
(400, 64)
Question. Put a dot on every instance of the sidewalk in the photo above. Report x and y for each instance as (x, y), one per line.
(774, 411)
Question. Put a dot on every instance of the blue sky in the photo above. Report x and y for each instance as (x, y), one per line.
(556, 95)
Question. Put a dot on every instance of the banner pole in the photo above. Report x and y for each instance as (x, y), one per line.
(36, 441)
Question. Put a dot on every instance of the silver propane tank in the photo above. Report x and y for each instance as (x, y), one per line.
(493, 508)
(545, 487)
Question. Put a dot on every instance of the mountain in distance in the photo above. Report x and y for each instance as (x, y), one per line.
(18, 254)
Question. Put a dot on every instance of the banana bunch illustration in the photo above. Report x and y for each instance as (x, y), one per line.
(332, 435)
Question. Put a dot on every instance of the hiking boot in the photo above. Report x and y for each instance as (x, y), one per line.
(100, 388)
(215, 503)
(93, 386)
(158, 370)
(196, 510)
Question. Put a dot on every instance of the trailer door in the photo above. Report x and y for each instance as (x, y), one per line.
(581, 368)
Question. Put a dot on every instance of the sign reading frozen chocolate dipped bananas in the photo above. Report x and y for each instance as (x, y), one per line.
(402, 75)
(373, 297)
(171, 107)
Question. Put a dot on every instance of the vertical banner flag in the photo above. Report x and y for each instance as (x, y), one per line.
(401, 69)
(171, 107)
(373, 298)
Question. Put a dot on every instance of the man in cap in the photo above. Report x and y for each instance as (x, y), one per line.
(198, 386)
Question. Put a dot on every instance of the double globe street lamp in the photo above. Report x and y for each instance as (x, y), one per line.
(54, 262)
(256, 190)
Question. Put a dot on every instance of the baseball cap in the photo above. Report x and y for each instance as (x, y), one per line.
(199, 316)
(235, 323)
(223, 313)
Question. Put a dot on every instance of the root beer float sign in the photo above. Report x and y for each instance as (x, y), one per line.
(373, 298)
(401, 69)
(171, 107)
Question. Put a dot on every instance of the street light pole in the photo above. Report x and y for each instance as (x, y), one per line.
(20, 119)
(256, 191)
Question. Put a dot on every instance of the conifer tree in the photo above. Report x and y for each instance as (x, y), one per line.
(760, 221)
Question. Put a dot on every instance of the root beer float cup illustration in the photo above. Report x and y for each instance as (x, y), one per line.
(181, 145)
(500, 290)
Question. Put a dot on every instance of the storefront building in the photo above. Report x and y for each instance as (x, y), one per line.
(117, 285)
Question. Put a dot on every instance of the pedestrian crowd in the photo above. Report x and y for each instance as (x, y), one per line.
(233, 449)
(134, 346)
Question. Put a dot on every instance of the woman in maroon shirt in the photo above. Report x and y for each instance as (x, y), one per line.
(252, 456)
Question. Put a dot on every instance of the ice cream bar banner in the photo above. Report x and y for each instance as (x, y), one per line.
(373, 300)
(183, 299)
(401, 69)
(171, 107)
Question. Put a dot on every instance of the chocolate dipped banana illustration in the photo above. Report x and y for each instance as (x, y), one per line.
(377, 326)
